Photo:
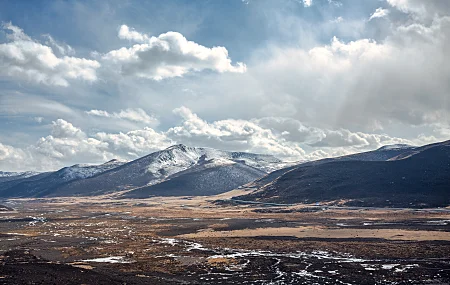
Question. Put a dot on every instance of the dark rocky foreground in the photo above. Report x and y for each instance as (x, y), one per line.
(23, 267)
(124, 243)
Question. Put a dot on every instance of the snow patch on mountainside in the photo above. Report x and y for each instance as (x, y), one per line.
(180, 157)
(396, 147)
(82, 171)
(21, 174)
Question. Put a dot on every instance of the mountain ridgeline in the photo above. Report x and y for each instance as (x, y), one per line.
(202, 167)
(406, 177)
(391, 176)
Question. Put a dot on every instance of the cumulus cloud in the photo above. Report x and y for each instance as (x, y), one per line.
(296, 131)
(422, 10)
(135, 115)
(62, 48)
(135, 143)
(168, 55)
(68, 144)
(231, 135)
(126, 33)
(379, 13)
(63, 129)
(362, 84)
(24, 58)
(285, 138)
(307, 3)
(9, 153)
(64, 146)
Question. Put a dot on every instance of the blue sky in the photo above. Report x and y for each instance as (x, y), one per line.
(88, 81)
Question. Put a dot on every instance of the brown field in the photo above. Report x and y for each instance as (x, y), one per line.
(104, 240)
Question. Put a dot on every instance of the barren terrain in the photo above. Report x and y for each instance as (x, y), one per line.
(103, 240)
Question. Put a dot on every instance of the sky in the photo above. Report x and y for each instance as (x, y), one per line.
(90, 81)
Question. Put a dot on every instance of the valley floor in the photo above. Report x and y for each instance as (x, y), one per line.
(196, 241)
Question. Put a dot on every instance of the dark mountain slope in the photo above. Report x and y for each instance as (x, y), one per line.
(209, 178)
(382, 154)
(5, 185)
(420, 180)
(10, 176)
(148, 170)
(42, 184)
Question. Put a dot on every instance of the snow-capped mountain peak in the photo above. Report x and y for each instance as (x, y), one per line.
(178, 161)
(179, 157)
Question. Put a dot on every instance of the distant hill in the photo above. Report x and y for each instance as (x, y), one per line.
(382, 154)
(41, 184)
(155, 168)
(10, 176)
(415, 177)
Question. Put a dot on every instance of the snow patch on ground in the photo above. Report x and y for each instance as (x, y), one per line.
(111, 259)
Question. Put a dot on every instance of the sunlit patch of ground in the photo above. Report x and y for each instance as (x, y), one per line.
(323, 232)
(195, 241)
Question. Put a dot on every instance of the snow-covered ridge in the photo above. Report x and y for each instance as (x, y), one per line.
(396, 147)
(83, 171)
(22, 174)
(181, 157)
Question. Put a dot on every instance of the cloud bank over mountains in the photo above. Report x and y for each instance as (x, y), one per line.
(67, 143)
(354, 83)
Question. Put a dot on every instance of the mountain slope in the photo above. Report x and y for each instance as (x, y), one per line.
(152, 169)
(382, 154)
(19, 180)
(210, 177)
(41, 184)
(160, 166)
(10, 176)
(421, 179)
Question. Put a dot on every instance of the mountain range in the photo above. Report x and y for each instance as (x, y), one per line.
(391, 176)
(394, 175)
(165, 168)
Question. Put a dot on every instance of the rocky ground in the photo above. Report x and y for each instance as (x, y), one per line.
(194, 241)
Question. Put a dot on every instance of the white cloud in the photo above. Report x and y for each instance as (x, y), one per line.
(281, 137)
(135, 115)
(379, 13)
(361, 84)
(136, 143)
(38, 119)
(295, 131)
(335, 3)
(231, 135)
(126, 33)
(307, 3)
(64, 129)
(337, 20)
(286, 138)
(9, 153)
(25, 58)
(422, 10)
(62, 48)
(67, 145)
(168, 55)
